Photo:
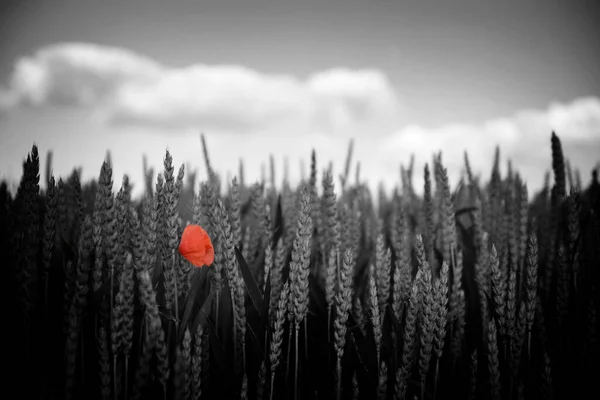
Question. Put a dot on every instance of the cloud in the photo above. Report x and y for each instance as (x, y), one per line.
(123, 87)
(8, 100)
(524, 138)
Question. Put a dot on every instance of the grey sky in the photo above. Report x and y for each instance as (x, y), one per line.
(449, 62)
(456, 61)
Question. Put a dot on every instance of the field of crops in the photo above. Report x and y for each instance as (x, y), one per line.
(315, 292)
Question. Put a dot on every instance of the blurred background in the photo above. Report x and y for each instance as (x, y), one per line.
(262, 77)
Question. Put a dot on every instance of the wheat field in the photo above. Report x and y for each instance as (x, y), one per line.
(320, 291)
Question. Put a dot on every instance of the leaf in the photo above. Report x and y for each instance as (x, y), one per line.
(203, 313)
(256, 326)
(361, 359)
(215, 345)
(355, 327)
(166, 314)
(258, 343)
(367, 357)
(225, 316)
(257, 319)
(259, 262)
(194, 298)
(251, 286)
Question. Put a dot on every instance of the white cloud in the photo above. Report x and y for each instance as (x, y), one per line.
(7, 99)
(524, 138)
(124, 87)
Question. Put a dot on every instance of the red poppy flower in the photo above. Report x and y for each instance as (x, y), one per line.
(196, 247)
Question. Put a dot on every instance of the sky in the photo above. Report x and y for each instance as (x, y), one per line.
(285, 77)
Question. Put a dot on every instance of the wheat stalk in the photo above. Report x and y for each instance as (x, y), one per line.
(343, 301)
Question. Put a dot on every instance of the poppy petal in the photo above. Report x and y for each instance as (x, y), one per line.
(191, 242)
(195, 246)
(196, 258)
(209, 253)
